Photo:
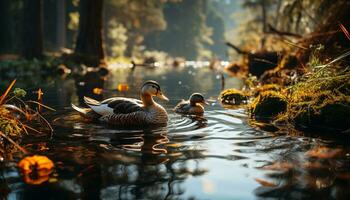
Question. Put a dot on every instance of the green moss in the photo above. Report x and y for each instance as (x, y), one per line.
(268, 105)
(267, 87)
(324, 114)
(9, 125)
(18, 92)
(320, 102)
(233, 97)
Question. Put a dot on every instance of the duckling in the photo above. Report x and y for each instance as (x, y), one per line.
(122, 111)
(192, 106)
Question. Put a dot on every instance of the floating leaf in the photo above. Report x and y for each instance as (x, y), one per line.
(97, 90)
(122, 87)
(36, 162)
(36, 169)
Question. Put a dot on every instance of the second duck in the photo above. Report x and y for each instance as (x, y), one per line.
(193, 106)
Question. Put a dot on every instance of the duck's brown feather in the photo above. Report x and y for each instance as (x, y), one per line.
(124, 105)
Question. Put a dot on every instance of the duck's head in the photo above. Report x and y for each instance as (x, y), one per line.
(152, 88)
(198, 98)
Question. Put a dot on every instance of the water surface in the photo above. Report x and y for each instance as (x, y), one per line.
(217, 156)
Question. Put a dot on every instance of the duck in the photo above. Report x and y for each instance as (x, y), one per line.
(193, 106)
(121, 111)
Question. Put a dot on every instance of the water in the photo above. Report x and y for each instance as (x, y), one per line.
(217, 156)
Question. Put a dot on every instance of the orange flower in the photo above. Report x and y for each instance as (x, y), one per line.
(122, 87)
(36, 169)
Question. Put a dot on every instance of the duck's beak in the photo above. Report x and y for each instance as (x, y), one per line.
(162, 97)
(205, 102)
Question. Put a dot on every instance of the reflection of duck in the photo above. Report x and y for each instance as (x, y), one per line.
(127, 111)
(192, 106)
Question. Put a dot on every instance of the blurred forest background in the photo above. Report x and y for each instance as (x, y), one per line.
(93, 30)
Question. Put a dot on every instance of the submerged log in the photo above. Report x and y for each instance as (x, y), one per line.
(260, 61)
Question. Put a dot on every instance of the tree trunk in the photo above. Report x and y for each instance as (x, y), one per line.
(33, 29)
(61, 24)
(5, 24)
(89, 47)
(264, 25)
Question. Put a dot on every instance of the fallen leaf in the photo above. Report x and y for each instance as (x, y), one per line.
(36, 169)
(97, 90)
(122, 87)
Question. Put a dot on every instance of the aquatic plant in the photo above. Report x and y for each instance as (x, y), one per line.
(268, 105)
(233, 97)
(267, 87)
(16, 115)
(321, 100)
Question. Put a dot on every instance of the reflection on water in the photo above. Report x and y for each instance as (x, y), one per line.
(217, 156)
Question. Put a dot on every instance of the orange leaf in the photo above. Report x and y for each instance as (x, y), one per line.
(40, 165)
(30, 163)
(122, 87)
(35, 181)
(97, 90)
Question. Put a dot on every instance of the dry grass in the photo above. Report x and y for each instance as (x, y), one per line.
(321, 99)
(17, 118)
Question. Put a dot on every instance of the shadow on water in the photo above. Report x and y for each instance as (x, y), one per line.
(216, 156)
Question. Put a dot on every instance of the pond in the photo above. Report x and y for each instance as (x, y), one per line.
(217, 156)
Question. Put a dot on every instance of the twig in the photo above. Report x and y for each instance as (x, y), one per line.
(345, 31)
(335, 60)
(273, 30)
(293, 44)
(237, 49)
(47, 107)
(47, 123)
(7, 91)
(13, 142)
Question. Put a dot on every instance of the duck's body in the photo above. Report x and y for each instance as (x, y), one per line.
(122, 111)
(185, 107)
(192, 106)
